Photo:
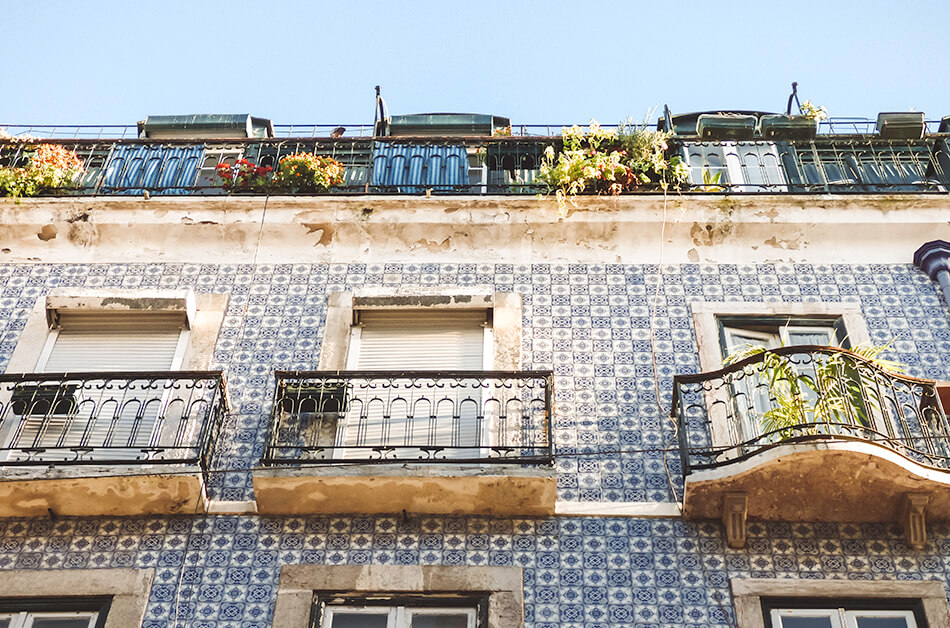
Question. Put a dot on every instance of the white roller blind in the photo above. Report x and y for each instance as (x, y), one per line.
(406, 415)
(421, 340)
(97, 341)
(89, 341)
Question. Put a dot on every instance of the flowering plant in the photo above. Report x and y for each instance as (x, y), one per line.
(813, 111)
(305, 172)
(49, 167)
(244, 175)
(608, 162)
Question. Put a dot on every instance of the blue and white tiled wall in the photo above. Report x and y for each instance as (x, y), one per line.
(592, 325)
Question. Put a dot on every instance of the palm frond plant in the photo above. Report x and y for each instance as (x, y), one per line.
(834, 389)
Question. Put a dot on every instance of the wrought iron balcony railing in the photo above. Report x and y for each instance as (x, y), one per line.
(457, 417)
(54, 419)
(831, 163)
(804, 393)
(828, 164)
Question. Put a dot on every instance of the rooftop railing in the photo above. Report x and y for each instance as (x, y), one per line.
(799, 394)
(833, 162)
(55, 419)
(373, 417)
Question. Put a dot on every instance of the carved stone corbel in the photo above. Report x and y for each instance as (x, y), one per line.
(913, 519)
(735, 508)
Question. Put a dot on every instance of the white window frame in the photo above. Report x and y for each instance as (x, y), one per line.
(128, 590)
(25, 619)
(300, 584)
(747, 596)
(396, 616)
(183, 337)
(488, 344)
(840, 617)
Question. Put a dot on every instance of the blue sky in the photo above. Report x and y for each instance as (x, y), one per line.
(536, 62)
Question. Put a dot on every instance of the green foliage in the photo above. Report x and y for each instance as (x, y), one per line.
(49, 167)
(834, 391)
(609, 162)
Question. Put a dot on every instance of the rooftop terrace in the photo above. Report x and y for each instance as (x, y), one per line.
(469, 154)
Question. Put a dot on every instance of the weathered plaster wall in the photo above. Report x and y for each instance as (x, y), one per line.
(241, 229)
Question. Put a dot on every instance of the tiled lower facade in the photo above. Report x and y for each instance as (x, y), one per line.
(614, 335)
(222, 571)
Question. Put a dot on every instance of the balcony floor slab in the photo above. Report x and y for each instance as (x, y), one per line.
(101, 492)
(425, 489)
(845, 481)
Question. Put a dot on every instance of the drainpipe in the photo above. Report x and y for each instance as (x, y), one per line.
(934, 259)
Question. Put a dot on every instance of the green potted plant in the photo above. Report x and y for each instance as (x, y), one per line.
(726, 126)
(601, 161)
(305, 172)
(50, 168)
(793, 127)
(832, 390)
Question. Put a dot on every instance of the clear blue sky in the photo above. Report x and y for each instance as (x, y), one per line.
(553, 62)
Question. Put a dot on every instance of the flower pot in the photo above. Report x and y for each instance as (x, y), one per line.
(724, 126)
(901, 125)
(782, 127)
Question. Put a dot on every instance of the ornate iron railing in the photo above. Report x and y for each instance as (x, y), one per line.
(803, 393)
(54, 419)
(414, 416)
(829, 164)
(502, 165)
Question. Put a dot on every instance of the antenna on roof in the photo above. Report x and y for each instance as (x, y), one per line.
(379, 117)
(794, 95)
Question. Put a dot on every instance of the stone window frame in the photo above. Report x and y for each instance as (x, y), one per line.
(747, 594)
(204, 314)
(128, 589)
(506, 308)
(300, 585)
(706, 317)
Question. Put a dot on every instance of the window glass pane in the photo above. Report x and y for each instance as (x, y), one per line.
(61, 622)
(358, 620)
(807, 622)
(4, 622)
(882, 622)
(439, 621)
(810, 336)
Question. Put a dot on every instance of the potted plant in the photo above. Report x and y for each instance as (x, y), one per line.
(726, 126)
(50, 168)
(305, 172)
(832, 390)
(245, 176)
(793, 127)
(599, 161)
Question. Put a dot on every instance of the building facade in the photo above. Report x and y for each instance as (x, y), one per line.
(445, 402)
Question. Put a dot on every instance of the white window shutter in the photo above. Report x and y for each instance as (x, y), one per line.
(419, 340)
(91, 341)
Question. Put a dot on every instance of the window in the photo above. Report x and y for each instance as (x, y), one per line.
(840, 618)
(74, 598)
(397, 596)
(354, 615)
(410, 411)
(50, 619)
(790, 603)
(772, 333)
(124, 332)
(420, 413)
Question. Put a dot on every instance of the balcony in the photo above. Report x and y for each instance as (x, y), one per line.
(426, 442)
(812, 433)
(845, 156)
(109, 444)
